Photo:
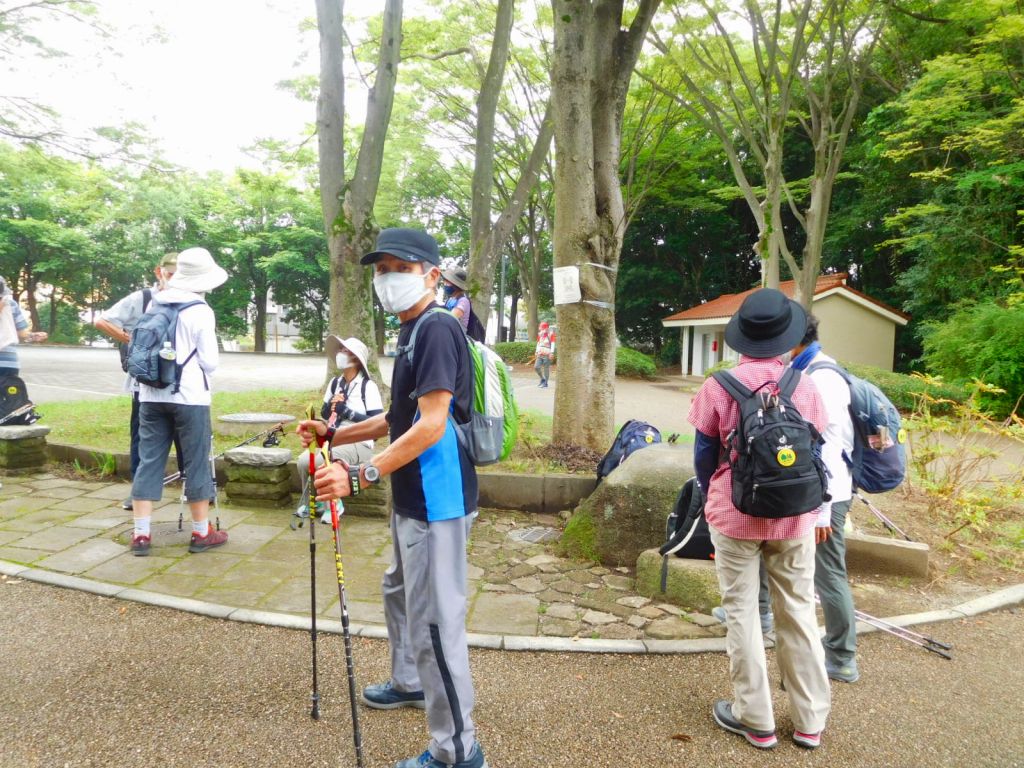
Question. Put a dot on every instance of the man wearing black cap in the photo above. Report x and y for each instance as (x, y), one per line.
(434, 487)
(766, 326)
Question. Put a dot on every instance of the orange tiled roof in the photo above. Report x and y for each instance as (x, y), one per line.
(725, 306)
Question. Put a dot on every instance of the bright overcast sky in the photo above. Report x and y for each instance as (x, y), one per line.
(200, 75)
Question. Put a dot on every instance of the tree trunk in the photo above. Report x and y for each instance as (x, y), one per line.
(30, 296)
(592, 63)
(54, 303)
(260, 318)
(351, 230)
(512, 316)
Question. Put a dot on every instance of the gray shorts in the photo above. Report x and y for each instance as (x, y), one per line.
(159, 423)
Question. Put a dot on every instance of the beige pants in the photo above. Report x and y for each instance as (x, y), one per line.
(801, 659)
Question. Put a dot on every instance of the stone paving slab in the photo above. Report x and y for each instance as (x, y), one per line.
(515, 588)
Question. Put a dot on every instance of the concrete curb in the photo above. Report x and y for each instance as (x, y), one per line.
(1003, 598)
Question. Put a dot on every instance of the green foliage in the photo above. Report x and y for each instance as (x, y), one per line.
(905, 390)
(954, 446)
(984, 342)
(515, 351)
(629, 362)
(68, 328)
(721, 365)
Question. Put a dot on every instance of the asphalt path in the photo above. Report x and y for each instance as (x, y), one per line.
(92, 681)
(86, 373)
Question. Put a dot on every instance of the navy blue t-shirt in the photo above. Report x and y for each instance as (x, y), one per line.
(441, 483)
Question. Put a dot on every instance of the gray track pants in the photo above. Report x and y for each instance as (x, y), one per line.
(833, 588)
(425, 610)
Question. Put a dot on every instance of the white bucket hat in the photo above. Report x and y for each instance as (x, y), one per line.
(197, 272)
(353, 345)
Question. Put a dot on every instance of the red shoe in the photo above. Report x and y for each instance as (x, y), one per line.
(140, 545)
(213, 538)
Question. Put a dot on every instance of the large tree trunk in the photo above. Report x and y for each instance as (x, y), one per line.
(592, 64)
(351, 229)
(260, 319)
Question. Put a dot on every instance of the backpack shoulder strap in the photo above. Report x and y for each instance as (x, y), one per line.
(736, 389)
(147, 296)
(362, 390)
(830, 367)
(788, 382)
(410, 348)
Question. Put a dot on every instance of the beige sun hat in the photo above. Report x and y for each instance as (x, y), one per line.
(456, 277)
(353, 345)
(197, 272)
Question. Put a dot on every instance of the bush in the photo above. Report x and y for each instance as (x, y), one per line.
(515, 351)
(629, 362)
(721, 365)
(905, 391)
(981, 343)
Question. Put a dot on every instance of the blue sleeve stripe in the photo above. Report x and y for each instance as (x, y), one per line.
(441, 475)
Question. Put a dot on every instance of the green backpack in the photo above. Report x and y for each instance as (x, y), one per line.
(491, 431)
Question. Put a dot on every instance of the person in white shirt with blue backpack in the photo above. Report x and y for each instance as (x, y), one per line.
(830, 577)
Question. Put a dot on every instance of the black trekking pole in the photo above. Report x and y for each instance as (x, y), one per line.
(889, 524)
(311, 500)
(357, 736)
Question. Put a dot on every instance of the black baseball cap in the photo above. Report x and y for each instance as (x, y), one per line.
(405, 244)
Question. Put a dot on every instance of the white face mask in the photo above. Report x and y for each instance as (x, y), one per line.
(399, 291)
(343, 360)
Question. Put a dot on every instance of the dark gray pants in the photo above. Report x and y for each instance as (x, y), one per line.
(833, 587)
(160, 424)
(543, 368)
(425, 610)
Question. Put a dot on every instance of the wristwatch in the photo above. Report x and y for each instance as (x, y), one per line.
(371, 473)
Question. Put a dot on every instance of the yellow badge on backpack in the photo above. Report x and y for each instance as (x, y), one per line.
(786, 456)
(12, 390)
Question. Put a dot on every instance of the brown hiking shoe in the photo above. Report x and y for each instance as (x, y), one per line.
(213, 538)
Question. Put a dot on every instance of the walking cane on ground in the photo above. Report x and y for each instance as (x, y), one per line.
(315, 711)
(336, 510)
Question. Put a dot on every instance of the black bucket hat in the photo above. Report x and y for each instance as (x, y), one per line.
(767, 324)
(404, 244)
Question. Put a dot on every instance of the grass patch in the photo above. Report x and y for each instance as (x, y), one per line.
(103, 425)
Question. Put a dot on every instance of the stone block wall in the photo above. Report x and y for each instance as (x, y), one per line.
(259, 477)
(23, 447)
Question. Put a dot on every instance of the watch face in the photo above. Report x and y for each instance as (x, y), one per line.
(371, 473)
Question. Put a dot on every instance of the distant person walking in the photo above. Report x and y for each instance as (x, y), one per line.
(181, 411)
(13, 330)
(766, 326)
(830, 577)
(544, 351)
(456, 300)
(117, 323)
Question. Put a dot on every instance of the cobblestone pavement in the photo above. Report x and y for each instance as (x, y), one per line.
(516, 587)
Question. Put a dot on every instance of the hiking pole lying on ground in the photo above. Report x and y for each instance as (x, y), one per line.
(311, 500)
(893, 528)
(357, 736)
(27, 408)
(928, 643)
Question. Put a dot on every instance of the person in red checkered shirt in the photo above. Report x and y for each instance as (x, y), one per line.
(766, 326)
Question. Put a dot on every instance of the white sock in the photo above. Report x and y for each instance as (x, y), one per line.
(142, 526)
(202, 527)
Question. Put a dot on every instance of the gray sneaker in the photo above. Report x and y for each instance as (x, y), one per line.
(844, 673)
(386, 696)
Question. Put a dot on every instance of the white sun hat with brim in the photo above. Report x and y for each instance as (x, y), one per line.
(353, 345)
(197, 272)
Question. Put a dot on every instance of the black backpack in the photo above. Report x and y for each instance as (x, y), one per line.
(155, 329)
(15, 407)
(633, 436)
(778, 470)
(686, 530)
(475, 329)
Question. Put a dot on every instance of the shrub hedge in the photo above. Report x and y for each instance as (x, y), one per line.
(629, 362)
(515, 351)
(901, 388)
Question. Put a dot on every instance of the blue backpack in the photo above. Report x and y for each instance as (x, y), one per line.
(156, 329)
(633, 436)
(879, 461)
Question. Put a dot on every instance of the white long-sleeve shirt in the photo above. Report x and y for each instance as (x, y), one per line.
(197, 330)
(838, 435)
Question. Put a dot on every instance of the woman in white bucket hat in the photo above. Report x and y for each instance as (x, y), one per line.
(351, 396)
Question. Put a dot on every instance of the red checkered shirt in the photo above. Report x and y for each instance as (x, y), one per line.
(716, 414)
